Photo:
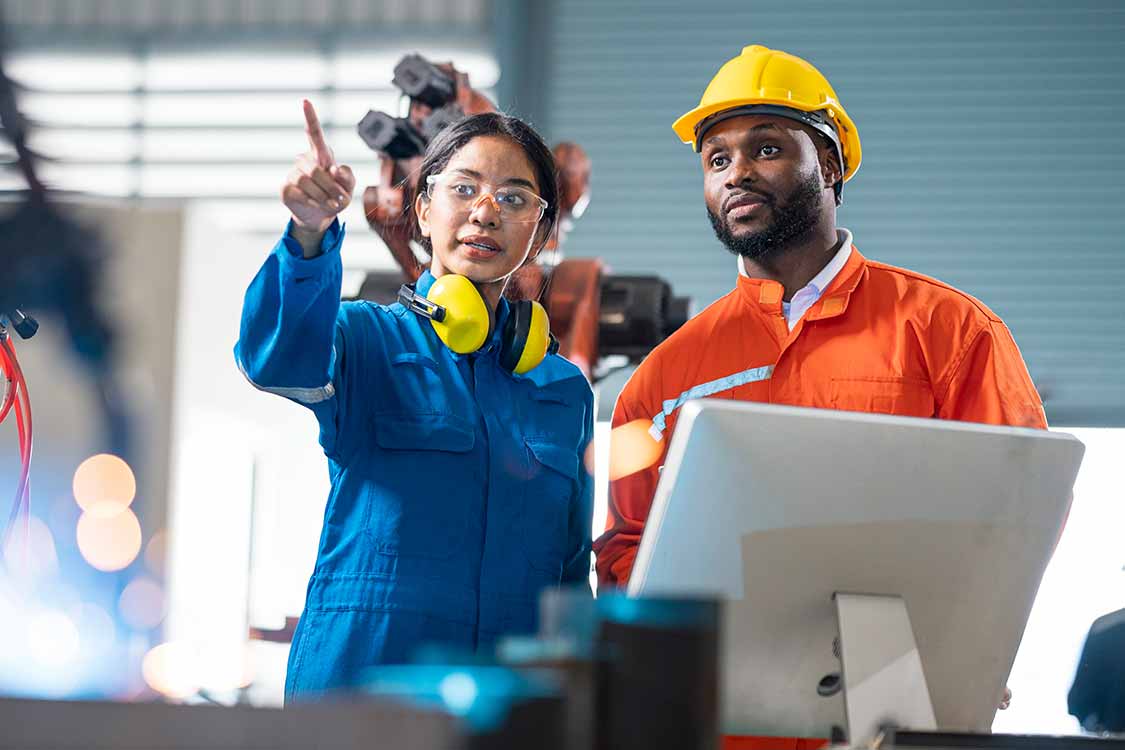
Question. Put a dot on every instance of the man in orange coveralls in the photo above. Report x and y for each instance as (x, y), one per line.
(811, 322)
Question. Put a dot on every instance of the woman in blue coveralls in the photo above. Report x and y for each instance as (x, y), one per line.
(458, 486)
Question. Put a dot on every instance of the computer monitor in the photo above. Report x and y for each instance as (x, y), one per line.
(776, 509)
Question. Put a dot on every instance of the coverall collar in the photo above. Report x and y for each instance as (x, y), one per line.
(766, 295)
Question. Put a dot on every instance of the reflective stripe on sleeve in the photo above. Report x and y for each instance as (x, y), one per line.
(304, 395)
(754, 375)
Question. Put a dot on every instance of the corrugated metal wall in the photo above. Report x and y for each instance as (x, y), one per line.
(993, 149)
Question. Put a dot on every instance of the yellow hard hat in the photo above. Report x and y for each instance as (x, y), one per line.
(771, 82)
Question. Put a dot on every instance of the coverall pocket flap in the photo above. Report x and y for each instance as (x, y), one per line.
(544, 395)
(414, 358)
(436, 432)
(555, 457)
(908, 397)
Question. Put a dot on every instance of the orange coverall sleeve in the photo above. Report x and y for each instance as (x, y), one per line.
(990, 384)
(630, 497)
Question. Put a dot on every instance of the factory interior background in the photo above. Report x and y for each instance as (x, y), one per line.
(992, 160)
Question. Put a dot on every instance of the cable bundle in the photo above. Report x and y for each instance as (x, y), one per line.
(16, 399)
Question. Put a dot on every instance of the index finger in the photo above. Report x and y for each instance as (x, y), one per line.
(316, 135)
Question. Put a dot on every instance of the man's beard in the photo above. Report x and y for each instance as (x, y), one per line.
(791, 223)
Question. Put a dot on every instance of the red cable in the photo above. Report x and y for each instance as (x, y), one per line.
(9, 400)
(23, 413)
(10, 395)
(23, 499)
(21, 381)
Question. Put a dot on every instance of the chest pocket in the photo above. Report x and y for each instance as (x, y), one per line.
(417, 383)
(552, 481)
(551, 418)
(907, 397)
(418, 492)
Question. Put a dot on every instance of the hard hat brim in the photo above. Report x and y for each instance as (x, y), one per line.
(685, 125)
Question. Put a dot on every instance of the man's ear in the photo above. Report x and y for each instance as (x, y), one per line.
(422, 211)
(831, 169)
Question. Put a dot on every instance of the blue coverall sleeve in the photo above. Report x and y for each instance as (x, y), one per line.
(577, 570)
(290, 341)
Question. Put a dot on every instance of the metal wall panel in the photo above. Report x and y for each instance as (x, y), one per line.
(992, 153)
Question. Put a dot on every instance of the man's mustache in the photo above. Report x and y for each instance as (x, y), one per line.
(746, 196)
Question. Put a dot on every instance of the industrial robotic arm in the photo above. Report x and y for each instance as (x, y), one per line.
(599, 318)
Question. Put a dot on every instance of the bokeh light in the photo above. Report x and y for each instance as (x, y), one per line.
(104, 485)
(31, 556)
(142, 604)
(156, 553)
(590, 458)
(110, 543)
(632, 448)
(225, 666)
(53, 638)
(97, 628)
(459, 691)
(171, 669)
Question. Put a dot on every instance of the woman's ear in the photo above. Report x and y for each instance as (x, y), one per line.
(543, 239)
(422, 211)
(541, 243)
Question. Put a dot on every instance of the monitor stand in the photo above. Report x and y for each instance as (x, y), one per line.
(882, 678)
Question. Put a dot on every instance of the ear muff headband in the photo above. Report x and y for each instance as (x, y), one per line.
(420, 305)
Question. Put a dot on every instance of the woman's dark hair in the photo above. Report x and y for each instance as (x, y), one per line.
(450, 140)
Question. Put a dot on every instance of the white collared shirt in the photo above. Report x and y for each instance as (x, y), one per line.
(807, 296)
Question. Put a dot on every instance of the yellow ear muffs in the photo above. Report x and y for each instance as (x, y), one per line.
(527, 338)
(459, 316)
(455, 310)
